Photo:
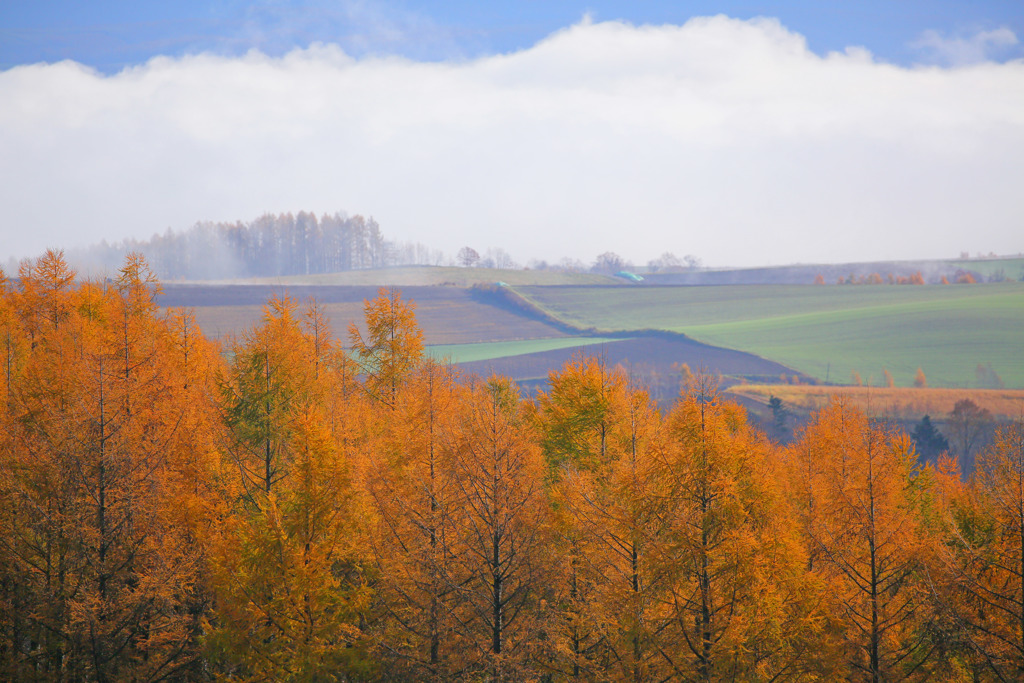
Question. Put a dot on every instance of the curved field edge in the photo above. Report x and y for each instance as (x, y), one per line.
(654, 362)
(513, 299)
(826, 332)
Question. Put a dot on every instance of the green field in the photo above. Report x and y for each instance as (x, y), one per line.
(826, 332)
(468, 353)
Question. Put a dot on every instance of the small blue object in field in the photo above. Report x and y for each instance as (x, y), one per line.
(632, 277)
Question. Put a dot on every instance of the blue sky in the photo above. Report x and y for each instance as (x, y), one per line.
(743, 133)
(111, 35)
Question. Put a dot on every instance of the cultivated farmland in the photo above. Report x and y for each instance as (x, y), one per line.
(826, 332)
(654, 362)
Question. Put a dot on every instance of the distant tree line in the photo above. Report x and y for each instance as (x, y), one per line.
(956, 277)
(285, 244)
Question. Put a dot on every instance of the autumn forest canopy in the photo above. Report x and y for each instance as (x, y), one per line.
(286, 505)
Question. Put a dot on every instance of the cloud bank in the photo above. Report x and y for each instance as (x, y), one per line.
(723, 138)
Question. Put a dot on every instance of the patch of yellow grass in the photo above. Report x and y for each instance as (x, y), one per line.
(901, 402)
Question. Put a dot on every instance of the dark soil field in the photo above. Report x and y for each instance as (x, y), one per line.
(653, 362)
(447, 315)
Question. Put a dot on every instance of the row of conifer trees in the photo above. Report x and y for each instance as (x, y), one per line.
(279, 509)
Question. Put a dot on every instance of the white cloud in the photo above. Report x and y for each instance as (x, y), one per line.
(960, 50)
(722, 138)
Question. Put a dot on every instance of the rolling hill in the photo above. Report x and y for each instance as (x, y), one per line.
(538, 318)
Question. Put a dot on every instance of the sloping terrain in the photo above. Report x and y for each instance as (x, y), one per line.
(826, 332)
(960, 335)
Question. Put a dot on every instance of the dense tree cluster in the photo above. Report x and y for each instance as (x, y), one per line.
(281, 509)
(286, 244)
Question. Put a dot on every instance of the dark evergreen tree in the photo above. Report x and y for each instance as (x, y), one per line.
(928, 441)
(779, 417)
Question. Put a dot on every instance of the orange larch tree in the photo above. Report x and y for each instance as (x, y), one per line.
(46, 286)
(579, 420)
(105, 579)
(12, 339)
(867, 514)
(287, 571)
(501, 520)
(733, 604)
(598, 433)
(412, 484)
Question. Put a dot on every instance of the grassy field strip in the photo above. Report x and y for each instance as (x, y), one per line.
(467, 353)
(907, 403)
(829, 332)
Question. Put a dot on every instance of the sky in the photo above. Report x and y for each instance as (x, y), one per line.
(744, 133)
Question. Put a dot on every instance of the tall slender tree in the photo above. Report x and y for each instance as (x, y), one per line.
(580, 421)
(598, 435)
(867, 515)
(733, 606)
(500, 573)
(269, 378)
(412, 483)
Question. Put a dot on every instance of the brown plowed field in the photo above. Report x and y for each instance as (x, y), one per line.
(454, 315)
(447, 315)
